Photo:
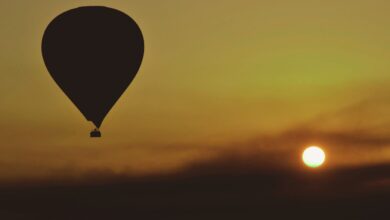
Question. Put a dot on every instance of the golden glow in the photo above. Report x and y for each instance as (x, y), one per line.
(210, 82)
(313, 156)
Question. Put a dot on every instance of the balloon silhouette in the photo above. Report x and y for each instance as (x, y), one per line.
(93, 54)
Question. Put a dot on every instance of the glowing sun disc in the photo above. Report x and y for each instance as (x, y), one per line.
(313, 156)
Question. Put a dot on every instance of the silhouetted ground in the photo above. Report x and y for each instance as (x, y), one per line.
(209, 191)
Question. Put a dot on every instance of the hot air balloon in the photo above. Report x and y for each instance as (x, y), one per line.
(93, 53)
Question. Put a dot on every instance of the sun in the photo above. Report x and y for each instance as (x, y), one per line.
(313, 156)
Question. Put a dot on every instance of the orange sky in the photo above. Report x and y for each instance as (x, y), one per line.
(247, 76)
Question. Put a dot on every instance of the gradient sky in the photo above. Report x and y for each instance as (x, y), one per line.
(218, 76)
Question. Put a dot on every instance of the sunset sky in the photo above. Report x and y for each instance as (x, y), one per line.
(233, 77)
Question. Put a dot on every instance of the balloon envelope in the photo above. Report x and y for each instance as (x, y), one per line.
(93, 54)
